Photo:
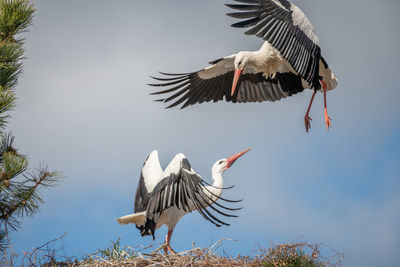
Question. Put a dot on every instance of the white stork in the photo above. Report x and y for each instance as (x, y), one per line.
(287, 63)
(164, 197)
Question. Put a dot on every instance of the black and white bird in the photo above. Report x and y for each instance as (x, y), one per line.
(164, 197)
(288, 62)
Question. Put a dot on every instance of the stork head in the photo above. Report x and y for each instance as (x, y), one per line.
(223, 164)
(240, 63)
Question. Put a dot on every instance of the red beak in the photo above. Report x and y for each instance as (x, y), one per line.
(238, 72)
(233, 158)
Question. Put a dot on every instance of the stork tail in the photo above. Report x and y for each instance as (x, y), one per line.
(136, 218)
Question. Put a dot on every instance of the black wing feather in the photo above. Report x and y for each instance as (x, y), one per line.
(180, 190)
(252, 87)
(274, 23)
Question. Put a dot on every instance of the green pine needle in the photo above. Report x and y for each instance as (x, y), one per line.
(19, 188)
(15, 18)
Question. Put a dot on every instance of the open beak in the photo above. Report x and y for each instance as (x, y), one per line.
(233, 158)
(238, 72)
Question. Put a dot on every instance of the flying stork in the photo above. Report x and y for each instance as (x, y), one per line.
(288, 62)
(164, 197)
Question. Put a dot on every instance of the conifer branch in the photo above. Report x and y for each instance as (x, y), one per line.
(19, 189)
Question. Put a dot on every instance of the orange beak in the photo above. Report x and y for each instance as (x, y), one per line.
(238, 72)
(233, 158)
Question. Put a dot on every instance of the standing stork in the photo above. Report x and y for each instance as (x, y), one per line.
(288, 62)
(164, 197)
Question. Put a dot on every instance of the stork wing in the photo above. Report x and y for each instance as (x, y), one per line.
(284, 26)
(185, 190)
(215, 82)
(149, 177)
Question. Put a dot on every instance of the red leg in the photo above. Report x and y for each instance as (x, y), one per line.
(167, 243)
(307, 118)
(327, 119)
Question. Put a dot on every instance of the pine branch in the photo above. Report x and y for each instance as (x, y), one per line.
(11, 56)
(7, 103)
(6, 143)
(27, 197)
(19, 190)
(15, 18)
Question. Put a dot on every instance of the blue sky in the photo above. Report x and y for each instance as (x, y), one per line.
(84, 109)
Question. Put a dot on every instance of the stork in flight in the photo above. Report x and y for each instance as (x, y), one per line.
(288, 62)
(164, 197)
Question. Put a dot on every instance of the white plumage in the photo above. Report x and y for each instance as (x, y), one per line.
(288, 62)
(164, 197)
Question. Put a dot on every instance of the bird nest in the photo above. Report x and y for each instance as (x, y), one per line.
(289, 255)
(296, 254)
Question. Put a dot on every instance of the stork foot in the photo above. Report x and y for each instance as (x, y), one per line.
(327, 120)
(167, 248)
(171, 250)
(307, 122)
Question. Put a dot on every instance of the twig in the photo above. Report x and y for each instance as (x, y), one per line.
(213, 247)
(104, 260)
(54, 240)
(189, 251)
(162, 246)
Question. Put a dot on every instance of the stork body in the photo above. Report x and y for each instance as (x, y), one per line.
(164, 197)
(288, 62)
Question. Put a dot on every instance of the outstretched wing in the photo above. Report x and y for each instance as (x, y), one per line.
(185, 190)
(214, 83)
(149, 177)
(283, 25)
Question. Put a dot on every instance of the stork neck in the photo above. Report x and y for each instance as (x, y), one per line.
(215, 190)
(217, 179)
